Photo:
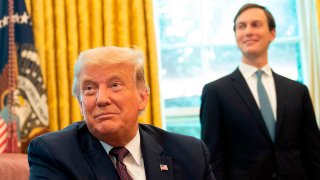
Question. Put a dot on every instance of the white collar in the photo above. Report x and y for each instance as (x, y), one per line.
(133, 147)
(248, 70)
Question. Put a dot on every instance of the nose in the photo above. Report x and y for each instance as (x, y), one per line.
(248, 30)
(103, 97)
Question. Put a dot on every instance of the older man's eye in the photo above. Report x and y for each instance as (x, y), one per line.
(116, 86)
(89, 90)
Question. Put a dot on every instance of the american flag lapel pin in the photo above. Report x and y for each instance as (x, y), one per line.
(163, 167)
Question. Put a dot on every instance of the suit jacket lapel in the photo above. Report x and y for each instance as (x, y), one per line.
(244, 91)
(96, 156)
(281, 95)
(153, 158)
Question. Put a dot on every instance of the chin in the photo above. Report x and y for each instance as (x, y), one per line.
(104, 127)
(101, 133)
(250, 53)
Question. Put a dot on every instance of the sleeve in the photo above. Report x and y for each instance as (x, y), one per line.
(310, 139)
(212, 130)
(42, 163)
(209, 174)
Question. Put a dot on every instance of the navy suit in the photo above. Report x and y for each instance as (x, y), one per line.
(238, 140)
(74, 153)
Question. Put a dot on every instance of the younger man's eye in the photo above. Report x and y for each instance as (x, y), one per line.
(240, 26)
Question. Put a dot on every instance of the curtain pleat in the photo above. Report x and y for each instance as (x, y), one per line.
(109, 22)
(152, 63)
(316, 85)
(63, 29)
(96, 20)
(50, 59)
(38, 26)
(62, 63)
(83, 28)
(310, 39)
(140, 38)
(72, 54)
(122, 22)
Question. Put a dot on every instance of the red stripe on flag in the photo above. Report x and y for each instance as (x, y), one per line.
(4, 142)
(3, 136)
(3, 132)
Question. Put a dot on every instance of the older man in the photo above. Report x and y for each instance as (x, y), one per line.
(110, 86)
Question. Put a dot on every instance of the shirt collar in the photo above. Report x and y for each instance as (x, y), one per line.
(248, 70)
(133, 147)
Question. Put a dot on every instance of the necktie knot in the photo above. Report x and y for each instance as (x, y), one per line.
(259, 74)
(119, 153)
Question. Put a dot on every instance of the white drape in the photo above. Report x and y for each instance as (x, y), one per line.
(310, 46)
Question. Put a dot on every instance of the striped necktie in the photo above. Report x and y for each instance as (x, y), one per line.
(119, 153)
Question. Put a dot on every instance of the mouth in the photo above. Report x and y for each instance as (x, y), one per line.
(250, 41)
(104, 115)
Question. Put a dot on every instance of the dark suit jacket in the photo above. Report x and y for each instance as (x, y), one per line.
(240, 146)
(74, 153)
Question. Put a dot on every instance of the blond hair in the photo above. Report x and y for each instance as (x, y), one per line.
(106, 56)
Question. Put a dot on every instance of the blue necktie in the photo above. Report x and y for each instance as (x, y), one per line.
(265, 106)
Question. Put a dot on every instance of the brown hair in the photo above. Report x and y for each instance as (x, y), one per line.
(271, 21)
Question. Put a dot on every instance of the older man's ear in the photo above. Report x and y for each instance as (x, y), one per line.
(80, 105)
(144, 96)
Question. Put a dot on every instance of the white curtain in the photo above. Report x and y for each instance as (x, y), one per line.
(310, 46)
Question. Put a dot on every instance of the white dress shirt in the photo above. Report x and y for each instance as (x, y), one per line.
(134, 160)
(248, 72)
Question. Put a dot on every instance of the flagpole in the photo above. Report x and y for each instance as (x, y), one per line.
(13, 146)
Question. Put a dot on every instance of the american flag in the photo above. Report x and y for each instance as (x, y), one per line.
(23, 95)
(3, 136)
(163, 167)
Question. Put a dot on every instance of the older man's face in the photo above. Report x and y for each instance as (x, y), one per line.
(110, 101)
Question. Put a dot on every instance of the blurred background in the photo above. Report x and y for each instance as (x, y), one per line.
(186, 44)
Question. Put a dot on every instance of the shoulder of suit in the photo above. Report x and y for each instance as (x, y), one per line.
(224, 79)
(287, 81)
(66, 134)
